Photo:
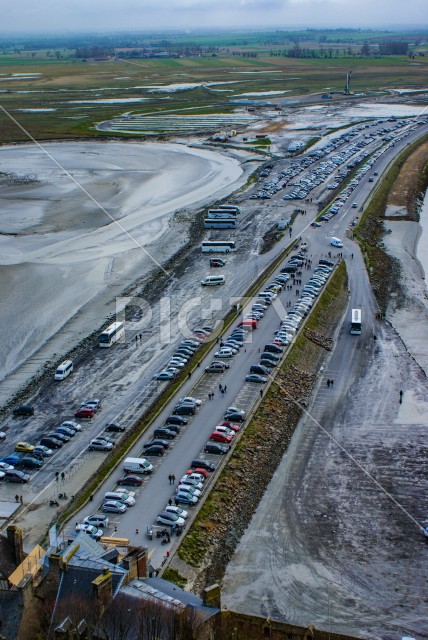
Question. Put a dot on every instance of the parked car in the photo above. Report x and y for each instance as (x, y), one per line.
(23, 411)
(255, 377)
(217, 262)
(130, 481)
(92, 403)
(179, 420)
(216, 448)
(66, 431)
(114, 506)
(184, 409)
(190, 400)
(226, 352)
(60, 436)
(30, 462)
(84, 414)
(51, 442)
(90, 529)
(98, 520)
(219, 436)
(114, 427)
(164, 375)
(100, 446)
(215, 367)
(169, 519)
(185, 498)
(166, 434)
(259, 369)
(5, 466)
(157, 442)
(15, 475)
(177, 510)
(203, 464)
(155, 450)
(71, 424)
(24, 447)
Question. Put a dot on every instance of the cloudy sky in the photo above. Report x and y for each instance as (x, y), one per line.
(101, 15)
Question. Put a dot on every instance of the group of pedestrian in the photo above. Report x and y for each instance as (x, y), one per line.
(211, 395)
(298, 281)
(330, 383)
(138, 337)
(171, 478)
(222, 389)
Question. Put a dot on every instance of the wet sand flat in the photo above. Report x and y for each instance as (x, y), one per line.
(60, 242)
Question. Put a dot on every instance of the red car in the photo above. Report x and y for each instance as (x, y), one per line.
(203, 472)
(84, 413)
(229, 425)
(217, 436)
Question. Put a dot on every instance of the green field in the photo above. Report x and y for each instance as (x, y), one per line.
(74, 90)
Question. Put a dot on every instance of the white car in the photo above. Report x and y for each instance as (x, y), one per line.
(4, 466)
(2, 435)
(226, 352)
(190, 400)
(221, 429)
(72, 425)
(99, 521)
(169, 519)
(178, 510)
(189, 488)
(94, 532)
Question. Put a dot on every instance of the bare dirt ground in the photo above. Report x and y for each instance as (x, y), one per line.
(336, 536)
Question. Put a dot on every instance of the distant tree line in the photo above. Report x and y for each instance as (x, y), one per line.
(94, 52)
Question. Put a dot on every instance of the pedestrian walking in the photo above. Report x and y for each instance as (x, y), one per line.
(56, 475)
(219, 387)
(173, 479)
(222, 390)
(136, 340)
(261, 393)
(170, 478)
(199, 364)
(136, 532)
(332, 382)
(328, 383)
(177, 502)
(225, 388)
(352, 256)
(170, 502)
(141, 337)
(189, 374)
(21, 499)
(91, 497)
(63, 476)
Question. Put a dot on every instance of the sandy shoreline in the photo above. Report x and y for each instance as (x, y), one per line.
(69, 259)
(409, 316)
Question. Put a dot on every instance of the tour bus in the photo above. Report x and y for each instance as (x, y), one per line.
(112, 334)
(230, 207)
(356, 322)
(218, 246)
(220, 213)
(220, 223)
(64, 370)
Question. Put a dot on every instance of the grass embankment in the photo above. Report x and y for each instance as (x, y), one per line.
(227, 511)
(382, 269)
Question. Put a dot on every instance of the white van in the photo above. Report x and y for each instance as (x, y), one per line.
(64, 370)
(213, 281)
(137, 465)
(336, 242)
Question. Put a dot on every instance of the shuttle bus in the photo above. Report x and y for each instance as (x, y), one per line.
(218, 246)
(356, 322)
(112, 334)
(220, 223)
(220, 213)
(230, 207)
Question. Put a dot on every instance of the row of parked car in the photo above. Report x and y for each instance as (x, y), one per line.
(184, 352)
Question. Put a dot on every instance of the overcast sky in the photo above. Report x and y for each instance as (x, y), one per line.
(101, 15)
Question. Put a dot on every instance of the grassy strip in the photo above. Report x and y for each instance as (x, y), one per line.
(370, 229)
(272, 424)
(172, 575)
